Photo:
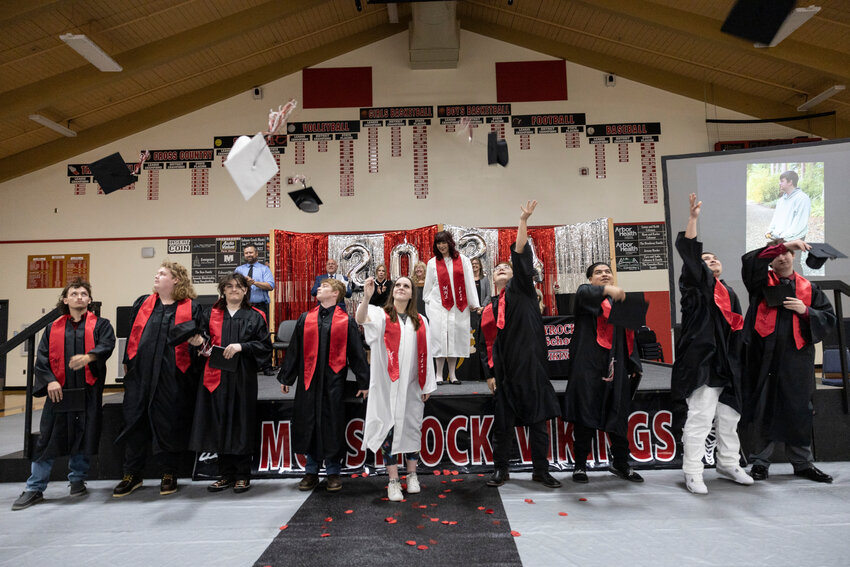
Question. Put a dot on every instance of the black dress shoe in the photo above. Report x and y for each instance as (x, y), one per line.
(759, 472)
(627, 473)
(500, 476)
(815, 474)
(547, 479)
(168, 484)
(78, 488)
(580, 476)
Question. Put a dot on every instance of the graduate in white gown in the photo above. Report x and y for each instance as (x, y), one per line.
(449, 294)
(401, 380)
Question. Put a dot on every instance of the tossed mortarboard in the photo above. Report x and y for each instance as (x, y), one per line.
(497, 150)
(250, 164)
(820, 253)
(629, 313)
(306, 199)
(757, 20)
(112, 173)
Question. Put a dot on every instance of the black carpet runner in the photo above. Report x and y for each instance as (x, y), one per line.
(455, 520)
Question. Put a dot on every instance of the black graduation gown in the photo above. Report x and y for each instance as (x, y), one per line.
(590, 400)
(318, 417)
(519, 350)
(778, 382)
(153, 382)
(71, 433)
(707, 350)
(225, 419)
(380, 299)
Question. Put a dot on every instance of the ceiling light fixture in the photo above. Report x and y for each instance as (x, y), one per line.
(795, 19)
(814, 101)
(91, 52)
(52, 125)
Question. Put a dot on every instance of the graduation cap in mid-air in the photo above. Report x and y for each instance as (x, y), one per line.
(497, 150)
(820, 253)
(112, 173)
(251, 164)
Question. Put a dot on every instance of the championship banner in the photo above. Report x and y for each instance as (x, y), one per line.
(457, 433)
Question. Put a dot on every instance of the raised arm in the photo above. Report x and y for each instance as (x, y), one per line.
(691, 228)
(522, 230)
(362, 315)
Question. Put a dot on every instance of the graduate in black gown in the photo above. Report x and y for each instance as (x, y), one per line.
(327, 340)
(604, 370)
(383, 286)
(707, 371)
(226, 405)
(780, 358)
(71, 359)
(514, 361)
(160, 382)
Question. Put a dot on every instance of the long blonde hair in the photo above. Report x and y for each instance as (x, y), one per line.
(183, 288)
(416, 281)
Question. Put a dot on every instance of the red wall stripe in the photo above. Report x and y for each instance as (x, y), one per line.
(525, 81)
(336, 87)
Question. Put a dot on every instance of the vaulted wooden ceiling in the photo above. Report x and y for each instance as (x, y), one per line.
(182, 55)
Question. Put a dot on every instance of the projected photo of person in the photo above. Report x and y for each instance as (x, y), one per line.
(790, 209)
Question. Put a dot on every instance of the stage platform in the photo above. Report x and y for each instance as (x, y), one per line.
(456, 419)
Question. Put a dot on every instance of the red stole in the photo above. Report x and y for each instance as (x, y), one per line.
(56, 354)
(183, 314)
(766, 316)
(212, 376)
(445, 284)
(490, 325)
(724, 303)
(336, 349)
(261, 312)
(392, 341)
(605, 331)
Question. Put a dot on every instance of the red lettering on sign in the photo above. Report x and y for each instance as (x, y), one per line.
(458, 457)
(431, 430)
(479, 439)
(274, 446)
(355, 456)
(665, 445)
(640, 437)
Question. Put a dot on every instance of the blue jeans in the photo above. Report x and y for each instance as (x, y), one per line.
(331, 467)
(78, 465)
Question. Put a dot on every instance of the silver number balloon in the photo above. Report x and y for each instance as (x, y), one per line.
(472, 245)
(360, 259)
(535, 261)
(399, 250)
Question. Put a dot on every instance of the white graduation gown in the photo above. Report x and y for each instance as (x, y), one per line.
(449, 329)
(394, 404)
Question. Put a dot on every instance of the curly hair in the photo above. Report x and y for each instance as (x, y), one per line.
(444, 236)
(183, 288)
(76, 282)
(410, 310)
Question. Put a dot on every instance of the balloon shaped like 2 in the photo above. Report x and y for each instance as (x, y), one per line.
(359, 258)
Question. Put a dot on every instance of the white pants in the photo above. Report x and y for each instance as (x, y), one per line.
(703, 407)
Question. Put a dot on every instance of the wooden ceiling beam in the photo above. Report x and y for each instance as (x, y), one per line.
(818, 59)
(651, 76)
(41, 94)
(91, 138)
(14, 12)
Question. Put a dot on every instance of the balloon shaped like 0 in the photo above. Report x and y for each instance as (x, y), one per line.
(359, 271)
(535, 261)
(399, 250)
(472, 245)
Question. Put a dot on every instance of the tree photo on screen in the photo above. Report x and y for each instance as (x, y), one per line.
(784, 200)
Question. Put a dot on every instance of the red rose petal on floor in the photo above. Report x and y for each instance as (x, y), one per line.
(444, 481)
(329, 519)
(326, 535)
(433, 503)
(481, 507)
(562, 513)
(515, 533)
(474, 392)
(496, 522)
(437, 473)
(488, 511)
(385, 498)
(365, 474)
(420, 527)
(349, 511)
(447, 471)
(455, 473)
(423, 505)
(529, 501)
(410, 542)
(355, 475)
(404, 499)
(441, 496)
(582, 499)
(435, 519)
(457, 480)
(481, 475)
(446, 522)
(422, 547)
(432, 541)
(447, 490)
(453, 523)
(389, 519)
(284, 526)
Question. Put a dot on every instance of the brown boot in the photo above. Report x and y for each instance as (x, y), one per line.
(309, 482)
(334, 483)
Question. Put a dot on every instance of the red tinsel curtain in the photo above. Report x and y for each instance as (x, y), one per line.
(299, 258)
(421, 238)
(544, 244)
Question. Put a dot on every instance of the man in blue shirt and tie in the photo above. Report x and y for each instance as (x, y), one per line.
(259, 277)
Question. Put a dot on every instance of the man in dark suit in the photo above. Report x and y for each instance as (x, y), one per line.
(331, 266)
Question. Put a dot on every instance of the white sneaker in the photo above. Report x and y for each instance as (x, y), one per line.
(695, 484)
(394, 491)
(735, 474)
(413, 484)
